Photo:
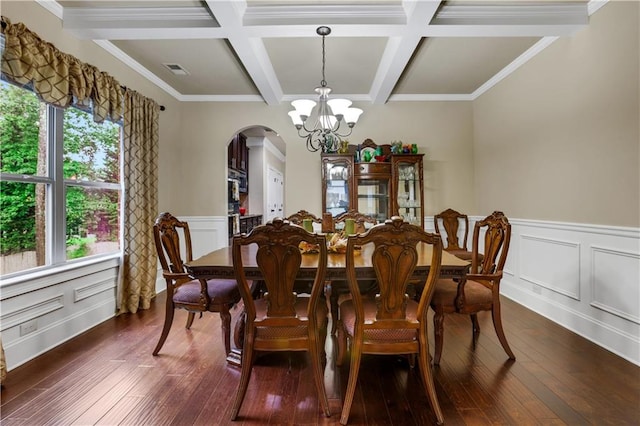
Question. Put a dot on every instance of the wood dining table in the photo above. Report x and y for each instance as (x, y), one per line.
(219, 264)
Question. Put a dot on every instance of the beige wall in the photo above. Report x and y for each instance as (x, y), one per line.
(49, 28)
(559, 139)
(442, 130)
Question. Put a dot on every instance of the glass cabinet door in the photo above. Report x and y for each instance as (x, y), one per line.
(373, 197)
(337, 171)
(408, 188)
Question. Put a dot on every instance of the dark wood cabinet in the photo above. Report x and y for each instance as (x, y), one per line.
(248, 222)
(238, 161)
(379, 189)
(238, 153)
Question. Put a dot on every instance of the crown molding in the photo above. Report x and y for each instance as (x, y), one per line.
(430, 98)
(137, 67)
(52, 6)
(517, 63)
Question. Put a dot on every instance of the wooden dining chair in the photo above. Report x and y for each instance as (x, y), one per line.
(282, 320)
(216, 295)
(390, 322)
(298, 219)
(479, 290)
(299, 216)
(360, 220)
(336, 289)
(451, 221)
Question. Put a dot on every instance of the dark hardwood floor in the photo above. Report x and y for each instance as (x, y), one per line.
(107, 376)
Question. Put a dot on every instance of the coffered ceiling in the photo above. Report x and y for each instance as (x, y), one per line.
(378, 50)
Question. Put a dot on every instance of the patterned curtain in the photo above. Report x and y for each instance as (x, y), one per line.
(62, 80)
(3, 363)
(56, 77)
(139, 265)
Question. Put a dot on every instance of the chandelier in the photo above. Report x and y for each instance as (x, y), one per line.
(332, 120)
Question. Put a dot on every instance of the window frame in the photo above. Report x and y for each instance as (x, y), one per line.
(56, 238)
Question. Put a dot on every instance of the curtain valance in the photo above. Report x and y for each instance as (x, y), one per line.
(58, 78)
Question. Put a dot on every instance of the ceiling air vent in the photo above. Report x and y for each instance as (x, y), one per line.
(176, 69)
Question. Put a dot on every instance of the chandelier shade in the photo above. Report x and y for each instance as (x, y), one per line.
(325, 126)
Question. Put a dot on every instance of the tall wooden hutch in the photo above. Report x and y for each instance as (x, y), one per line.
(381, 189)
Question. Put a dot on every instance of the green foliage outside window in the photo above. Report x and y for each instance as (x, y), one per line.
(90, 154)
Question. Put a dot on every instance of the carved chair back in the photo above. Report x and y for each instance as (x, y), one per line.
(451, 221)
(497, 236)
(166, 233)
(299, 216)
(359, 219)
(394, 260)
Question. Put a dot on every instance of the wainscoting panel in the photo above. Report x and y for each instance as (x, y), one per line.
(550, 263)
(583, 277)
(207, 233)
(615, 282)
(41, 311)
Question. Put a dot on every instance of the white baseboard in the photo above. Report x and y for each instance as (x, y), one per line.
(48, 336)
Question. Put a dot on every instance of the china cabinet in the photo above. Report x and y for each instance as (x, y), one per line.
(337, 183)
(386, 185)
(408, 187)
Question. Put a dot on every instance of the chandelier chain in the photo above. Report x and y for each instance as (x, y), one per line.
(323, 82)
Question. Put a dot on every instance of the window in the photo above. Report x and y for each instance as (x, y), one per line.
(60, 191)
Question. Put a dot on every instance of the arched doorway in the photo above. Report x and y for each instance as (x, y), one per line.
(256, 165)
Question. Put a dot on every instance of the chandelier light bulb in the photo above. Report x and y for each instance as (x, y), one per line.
(295, 117)
(351, 116)
(339, 106)
(327, 121)
(303, 107)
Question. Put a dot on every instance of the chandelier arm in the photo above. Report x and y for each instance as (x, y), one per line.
(302, 135)
(316, 140)
(341, 135)
(304, 126)
(310, 145)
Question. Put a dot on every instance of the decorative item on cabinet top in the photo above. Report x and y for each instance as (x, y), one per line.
(398, 147)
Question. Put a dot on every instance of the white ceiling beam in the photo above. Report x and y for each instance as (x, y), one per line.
(116, 23)
(399, 50)
(475, 30)
(250, 50)
(509, 20)
(325, 14)
(513, 14)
